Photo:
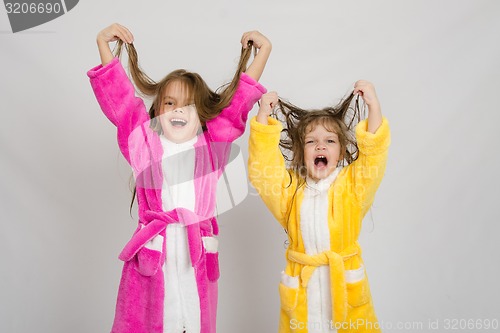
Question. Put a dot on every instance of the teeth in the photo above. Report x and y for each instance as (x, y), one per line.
(178, 121)
(320, 158)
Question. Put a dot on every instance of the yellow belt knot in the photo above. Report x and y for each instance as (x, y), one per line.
(335, 260)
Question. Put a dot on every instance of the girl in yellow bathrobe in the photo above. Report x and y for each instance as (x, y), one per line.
(320, 199)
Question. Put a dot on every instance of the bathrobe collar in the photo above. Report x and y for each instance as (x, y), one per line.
(314, 188)
(171, 148)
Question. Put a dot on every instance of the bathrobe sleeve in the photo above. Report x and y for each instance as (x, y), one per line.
(231, 122)
(116, 96)
(267, 170)
(367, 171)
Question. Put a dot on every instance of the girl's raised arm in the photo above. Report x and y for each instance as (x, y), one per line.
(366, 90)
(266, 164)
(111, 34)
(230, 123)
(373, 137)
(264, 46)
(114, 91)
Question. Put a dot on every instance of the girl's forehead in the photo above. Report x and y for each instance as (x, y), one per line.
(321, 127)
(177, 90)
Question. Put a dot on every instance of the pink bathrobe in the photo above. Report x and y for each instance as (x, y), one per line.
(141, 295)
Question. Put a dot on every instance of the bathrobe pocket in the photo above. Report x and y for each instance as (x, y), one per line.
(211, 245)
(358, 292)
(149, 257)
(289, 292)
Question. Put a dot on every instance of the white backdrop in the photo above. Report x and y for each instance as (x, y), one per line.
(430, 242)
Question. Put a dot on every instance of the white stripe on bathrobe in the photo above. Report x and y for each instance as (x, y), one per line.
(182, 303)
(316, 236)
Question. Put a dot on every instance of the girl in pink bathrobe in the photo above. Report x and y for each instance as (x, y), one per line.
(177, 151)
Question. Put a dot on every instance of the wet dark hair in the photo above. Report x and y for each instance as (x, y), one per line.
(297, 122)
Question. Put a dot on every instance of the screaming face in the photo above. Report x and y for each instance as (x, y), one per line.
(321, 152)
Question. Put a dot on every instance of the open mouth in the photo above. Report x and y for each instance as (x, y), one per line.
(177, 122)
(320, 161)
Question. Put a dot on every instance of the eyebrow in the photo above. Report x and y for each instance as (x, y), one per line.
(190, 102)
(307, 137)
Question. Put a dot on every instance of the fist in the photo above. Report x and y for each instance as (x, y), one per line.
(115, 32)
(258, 39)
(366, 90)
(267, 103)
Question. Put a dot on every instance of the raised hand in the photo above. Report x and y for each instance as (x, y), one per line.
(258, 39)
(110, 34)
(264, 46)
(366, 90)
(267, 103)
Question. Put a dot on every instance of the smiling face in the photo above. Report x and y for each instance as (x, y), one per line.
(321, 151)
(178, 115)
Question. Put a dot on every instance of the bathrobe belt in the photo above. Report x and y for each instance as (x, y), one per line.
(154, 222)
(335, 260)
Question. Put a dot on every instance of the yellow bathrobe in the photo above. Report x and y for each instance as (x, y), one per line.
(349, 198)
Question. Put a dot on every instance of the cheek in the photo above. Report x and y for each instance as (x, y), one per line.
(195, 125)
(308, 152)
(193, 116)
(337, 155)
(306, 158)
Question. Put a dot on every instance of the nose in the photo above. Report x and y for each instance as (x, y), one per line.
(320, 147)
(179, 110)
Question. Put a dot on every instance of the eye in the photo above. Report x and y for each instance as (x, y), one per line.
(331, 141)
(309, 141)
(169, 103)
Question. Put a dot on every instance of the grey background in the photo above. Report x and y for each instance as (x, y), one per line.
(430, 242)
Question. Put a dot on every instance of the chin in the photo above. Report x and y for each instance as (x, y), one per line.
(319, 175)
(178, 135)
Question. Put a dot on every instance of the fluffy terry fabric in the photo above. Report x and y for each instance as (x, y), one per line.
(140, 302)
(349, 197)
